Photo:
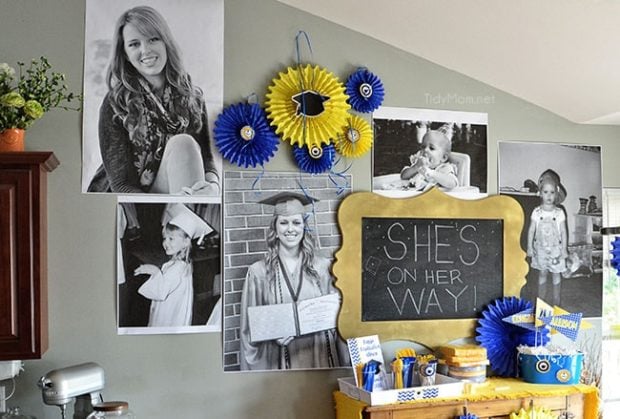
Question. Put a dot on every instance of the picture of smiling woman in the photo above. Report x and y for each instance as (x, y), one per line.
(291, 271)
(153, 130)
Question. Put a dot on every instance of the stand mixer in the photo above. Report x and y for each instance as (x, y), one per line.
(81, 383)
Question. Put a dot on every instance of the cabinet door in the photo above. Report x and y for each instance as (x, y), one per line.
(20, 291)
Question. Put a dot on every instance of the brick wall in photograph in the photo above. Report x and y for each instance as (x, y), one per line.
(245, 232)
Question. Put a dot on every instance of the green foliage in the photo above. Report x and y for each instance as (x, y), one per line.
(36, 90)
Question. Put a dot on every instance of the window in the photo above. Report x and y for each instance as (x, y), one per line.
(611, 305)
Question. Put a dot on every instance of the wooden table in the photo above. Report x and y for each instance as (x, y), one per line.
(496, 399)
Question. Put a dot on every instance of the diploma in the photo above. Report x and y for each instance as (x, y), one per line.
(277, 321)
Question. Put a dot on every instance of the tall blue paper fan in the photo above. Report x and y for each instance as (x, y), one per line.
(365, 91)
(615, 253)
(317, 159)
(243, 135)
(501, 338)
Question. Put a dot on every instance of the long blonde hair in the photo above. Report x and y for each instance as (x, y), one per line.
(307, 250)
(126, 95)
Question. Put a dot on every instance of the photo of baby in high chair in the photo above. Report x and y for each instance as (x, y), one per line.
(417, 149)
(430, 166)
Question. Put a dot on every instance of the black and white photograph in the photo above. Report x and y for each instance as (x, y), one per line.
(168, 270)
(559, 187)
(417, 149)
(153, 87)
(281, 305)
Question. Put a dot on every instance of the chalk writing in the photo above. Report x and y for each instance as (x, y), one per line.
(418, 268)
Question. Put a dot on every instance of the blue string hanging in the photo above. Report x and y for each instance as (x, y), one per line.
(501, 339)
(365, 91)
(243, 135)
(339, 178)
(317, 159)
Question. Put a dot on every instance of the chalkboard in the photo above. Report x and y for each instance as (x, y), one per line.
(428, 268)
(495, 265)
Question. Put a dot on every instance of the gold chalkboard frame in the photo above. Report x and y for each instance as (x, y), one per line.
(432, 204)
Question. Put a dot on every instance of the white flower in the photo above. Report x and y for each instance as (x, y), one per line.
(7, 70)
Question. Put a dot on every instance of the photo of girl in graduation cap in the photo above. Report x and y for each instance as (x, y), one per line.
(291, 271)
(170, 287)
(169, 276)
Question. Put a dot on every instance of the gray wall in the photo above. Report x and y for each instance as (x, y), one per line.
(181, 376)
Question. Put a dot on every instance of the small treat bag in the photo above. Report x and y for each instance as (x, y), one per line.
(427, 369)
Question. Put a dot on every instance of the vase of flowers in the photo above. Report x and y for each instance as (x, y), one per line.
(26, 95)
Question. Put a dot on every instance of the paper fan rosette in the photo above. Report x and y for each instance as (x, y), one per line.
(365, 91)
(501, 339)
(355, 139)
(316, 159)
(243, 135)
(307, 105)
(533, 412)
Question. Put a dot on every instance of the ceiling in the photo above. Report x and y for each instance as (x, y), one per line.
(561, 55)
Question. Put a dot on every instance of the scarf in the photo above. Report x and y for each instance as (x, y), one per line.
(157, 122)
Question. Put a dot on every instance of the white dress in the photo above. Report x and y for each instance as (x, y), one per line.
(172, 294)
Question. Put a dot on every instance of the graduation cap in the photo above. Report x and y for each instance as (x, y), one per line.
(309, 103)
(288, 203)
(187, 220)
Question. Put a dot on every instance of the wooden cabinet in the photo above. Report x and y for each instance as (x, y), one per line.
(23, 253)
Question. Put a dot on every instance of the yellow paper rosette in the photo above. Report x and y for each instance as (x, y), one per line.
(307, 106)
(533, 413)
(355, 139)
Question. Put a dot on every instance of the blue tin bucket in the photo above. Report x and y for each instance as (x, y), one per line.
(550, 369)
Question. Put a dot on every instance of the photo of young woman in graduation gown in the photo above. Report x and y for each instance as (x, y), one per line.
(290, 272)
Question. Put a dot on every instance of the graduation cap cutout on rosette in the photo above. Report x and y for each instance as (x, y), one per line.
(307, 105)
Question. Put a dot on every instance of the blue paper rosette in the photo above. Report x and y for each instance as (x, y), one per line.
(243, 135)
(365, 91)
(501, 339)
(467, 416)
(316, 159)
